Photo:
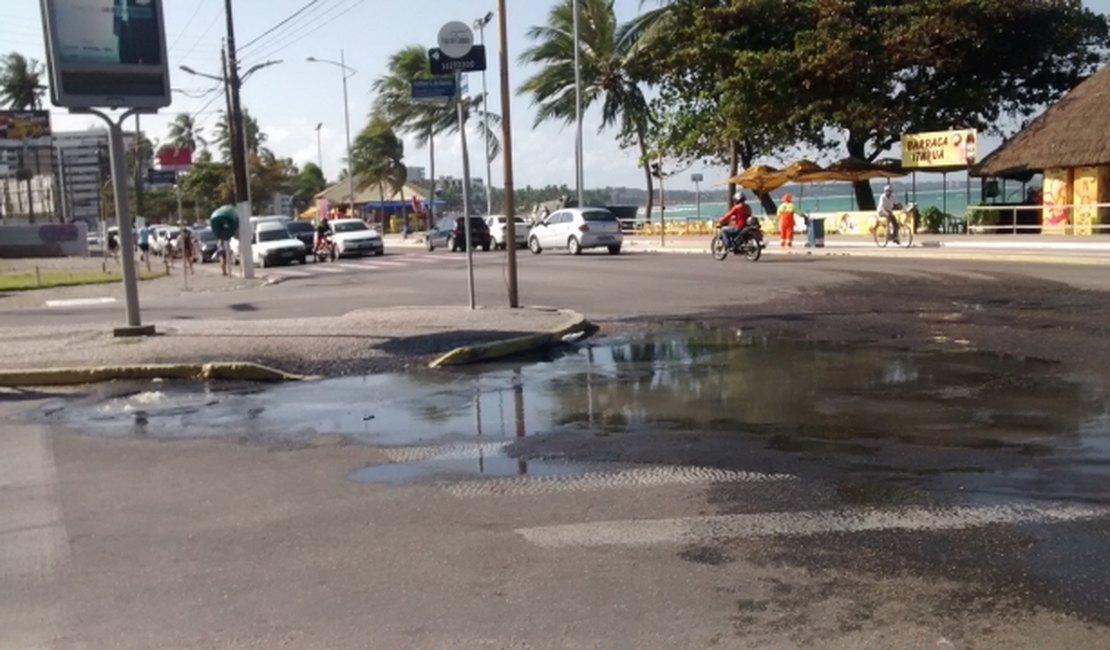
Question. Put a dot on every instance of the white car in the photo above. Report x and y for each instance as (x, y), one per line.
(577, 229)
(272, 244)
(354, 237)
(498, 225)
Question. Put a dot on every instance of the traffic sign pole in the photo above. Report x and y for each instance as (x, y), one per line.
(466, 194)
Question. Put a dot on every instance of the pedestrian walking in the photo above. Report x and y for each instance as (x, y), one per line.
(222, 252)
(187, 246)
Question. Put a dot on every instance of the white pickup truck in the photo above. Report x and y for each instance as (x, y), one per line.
(272, 244)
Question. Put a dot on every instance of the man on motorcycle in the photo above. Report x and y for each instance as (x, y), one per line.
(323, 233)
(735, 220)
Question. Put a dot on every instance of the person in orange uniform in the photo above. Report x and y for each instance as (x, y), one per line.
(786, 221)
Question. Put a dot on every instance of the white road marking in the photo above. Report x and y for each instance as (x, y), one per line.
(352, 267)
(691, 530)
(320, 268)
(293, 274)
(385, 263)
(79, 302)
(445, 452)
(603, 480)
(33, 541)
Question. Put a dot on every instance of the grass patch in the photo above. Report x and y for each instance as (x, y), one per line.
(50, 279)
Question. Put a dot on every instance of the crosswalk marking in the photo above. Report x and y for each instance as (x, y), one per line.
(386, 263)
(695, 530)
(369, 264)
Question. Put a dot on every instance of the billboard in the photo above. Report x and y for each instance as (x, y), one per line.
(24, 125)
(106, 53)
(940, 149)
(172, 158)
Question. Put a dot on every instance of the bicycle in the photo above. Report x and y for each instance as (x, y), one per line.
(884, 235)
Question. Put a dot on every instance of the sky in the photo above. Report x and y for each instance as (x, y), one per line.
(290, 98)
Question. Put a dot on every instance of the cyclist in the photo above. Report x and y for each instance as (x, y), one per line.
(735, 219)
(887, 206)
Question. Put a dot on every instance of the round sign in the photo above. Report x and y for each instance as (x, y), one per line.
(455, 39)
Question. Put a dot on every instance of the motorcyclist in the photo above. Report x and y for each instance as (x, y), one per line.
(323, 232)
(735, 220)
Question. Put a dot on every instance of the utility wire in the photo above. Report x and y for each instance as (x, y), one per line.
(277, 26)
(200, 4)
(326, 20)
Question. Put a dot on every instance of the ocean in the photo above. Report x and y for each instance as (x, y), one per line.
(955, 203)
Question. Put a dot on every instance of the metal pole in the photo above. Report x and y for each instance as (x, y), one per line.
(350, 165)
(432, 173)
(509, 201)
(238, 152)
(116, 150)
(180, 216)
(578, 177)
(697, 193)
(247, 163)
(465, 190)
(485, 131)
(138, 170)
(662, 208)
(319, 149)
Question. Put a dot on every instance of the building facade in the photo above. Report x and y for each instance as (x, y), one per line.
(83, 169)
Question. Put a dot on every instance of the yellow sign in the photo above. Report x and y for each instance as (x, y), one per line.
(940, 149)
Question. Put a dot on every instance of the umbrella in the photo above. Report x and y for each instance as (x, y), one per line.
(799, 170)
(853, 169)
(760, 178)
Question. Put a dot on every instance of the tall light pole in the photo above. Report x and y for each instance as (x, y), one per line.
(578, 178)
(347, 74)
(480, 25)
(319, 148)
(507, 154)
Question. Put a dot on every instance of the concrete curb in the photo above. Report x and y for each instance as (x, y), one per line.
(917, 252)
(488, 351)
(227, 370)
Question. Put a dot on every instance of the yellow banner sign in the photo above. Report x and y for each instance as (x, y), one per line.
(940, 149)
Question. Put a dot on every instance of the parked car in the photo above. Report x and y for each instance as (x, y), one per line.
(206, 244)
(448, 232)
(304, 231)
(498, 225)
(272, 244)
(577, 229)
(354, 237)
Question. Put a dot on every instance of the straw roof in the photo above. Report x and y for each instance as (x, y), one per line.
(1073, 132)
(336, 193)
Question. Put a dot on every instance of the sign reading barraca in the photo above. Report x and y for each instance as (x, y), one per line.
(940, 149)
(24, 125)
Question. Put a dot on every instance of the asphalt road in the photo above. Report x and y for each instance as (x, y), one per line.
(704, 507)
(601, 286)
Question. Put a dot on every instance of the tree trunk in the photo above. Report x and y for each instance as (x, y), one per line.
(865, 197)
(733, 170)
(647, 173)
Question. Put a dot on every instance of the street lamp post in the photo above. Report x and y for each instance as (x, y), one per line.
(319, 148)
(348, 72)
(480, 25)
(578, 177)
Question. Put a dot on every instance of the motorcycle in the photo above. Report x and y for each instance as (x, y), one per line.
(324, 249)
(748, 242)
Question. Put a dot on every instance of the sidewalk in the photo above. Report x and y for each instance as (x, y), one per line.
(359, 342)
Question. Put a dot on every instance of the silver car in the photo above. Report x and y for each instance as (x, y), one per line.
(577, 229)
(498, 229)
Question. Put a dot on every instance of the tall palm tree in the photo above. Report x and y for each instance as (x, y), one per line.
(185, 134)
(607, 53)
(426, 120)
(377, 157)
(21, 86)
(222, 136)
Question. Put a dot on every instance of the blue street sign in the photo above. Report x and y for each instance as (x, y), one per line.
(430, 90)
(160, 178)
(472, 61)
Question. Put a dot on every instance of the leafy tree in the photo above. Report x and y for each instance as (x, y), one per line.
(185, 134)
(270, 176)
(208, 184)
(606, 59)
(307, 184)
(21, 86)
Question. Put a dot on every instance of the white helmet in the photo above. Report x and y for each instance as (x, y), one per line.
(739, 196)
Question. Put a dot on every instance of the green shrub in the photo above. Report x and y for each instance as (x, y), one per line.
(982, 217)
(933, 219)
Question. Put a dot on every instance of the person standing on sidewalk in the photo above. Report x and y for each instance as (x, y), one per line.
(786, 221)
(188, 248)
(144, 245)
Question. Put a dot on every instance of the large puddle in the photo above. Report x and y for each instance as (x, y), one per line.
(791, 396)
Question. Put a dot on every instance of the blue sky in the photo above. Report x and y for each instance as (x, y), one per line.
(291, 98)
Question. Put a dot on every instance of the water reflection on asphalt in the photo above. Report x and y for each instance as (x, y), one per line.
(792, 397)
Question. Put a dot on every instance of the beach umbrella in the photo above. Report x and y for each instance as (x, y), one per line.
(759, 178)
(853, 169)
(798, 171)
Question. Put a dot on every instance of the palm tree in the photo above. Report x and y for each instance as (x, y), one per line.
(185, 134)
(426, 120)
(222, 136)
(377, 157)
(606, 55)
(21, 86)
